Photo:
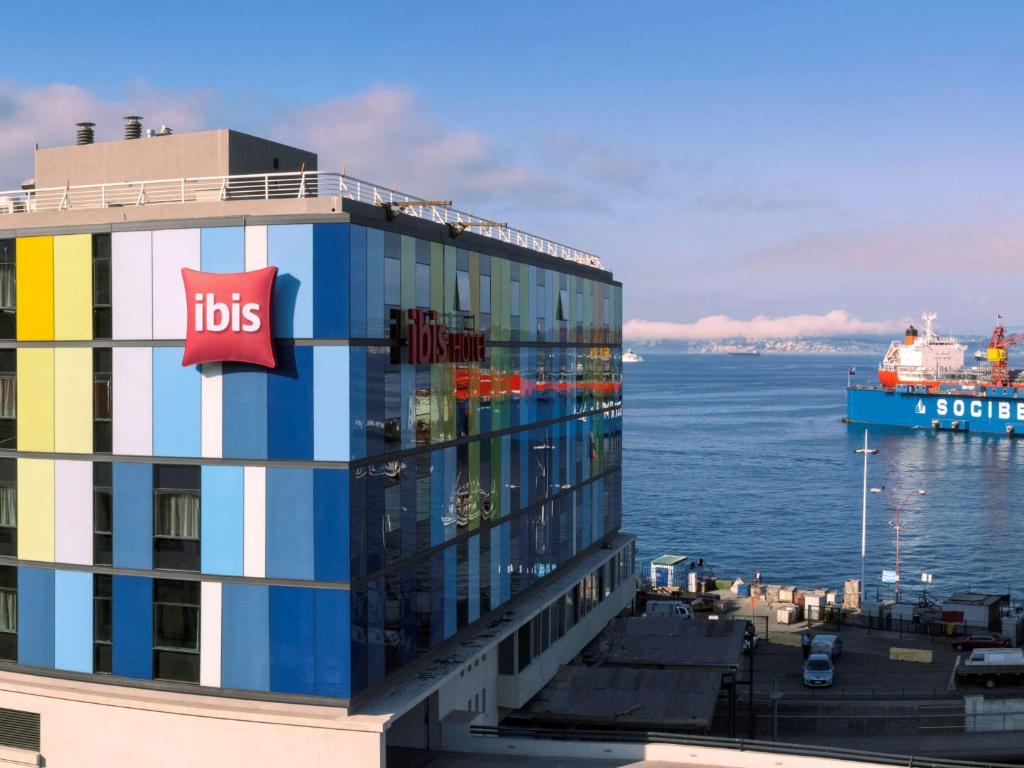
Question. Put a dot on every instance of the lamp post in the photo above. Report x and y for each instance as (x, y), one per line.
(897, 524)
(866, 451)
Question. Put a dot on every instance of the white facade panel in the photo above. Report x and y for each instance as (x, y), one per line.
(254, 555)
(212, 410)
(255, 247)
(172, 250)
(131, 261)
(133, 401)
(73, 512)
(209, 633)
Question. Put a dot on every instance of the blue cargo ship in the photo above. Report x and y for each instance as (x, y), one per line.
(923, 384)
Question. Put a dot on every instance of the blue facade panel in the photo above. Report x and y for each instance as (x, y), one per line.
(331, 423)
(330, 525)
(222, 249)
(133, 518)
(330, 281)
(36, 617)
(245, 637)
(292, 640)
(290, 404)
(244, 411)
(73, 621)
(290, 249)
(333, 643)
(357, 281)
(132, 631)
(176, 404)
(375, 323)
(290, 523)
(222, 520)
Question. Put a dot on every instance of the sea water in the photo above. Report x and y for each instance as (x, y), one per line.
(745, 461)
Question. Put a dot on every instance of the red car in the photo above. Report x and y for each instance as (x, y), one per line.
(970, 642)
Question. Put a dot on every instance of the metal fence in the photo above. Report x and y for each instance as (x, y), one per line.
(275, 186)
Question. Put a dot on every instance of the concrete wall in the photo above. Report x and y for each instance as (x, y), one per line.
(515, 690)
(474, 688)
(181, 155)
(981, 714)
(88, 724)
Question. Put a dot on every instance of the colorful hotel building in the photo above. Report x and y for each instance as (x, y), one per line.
(326, 558)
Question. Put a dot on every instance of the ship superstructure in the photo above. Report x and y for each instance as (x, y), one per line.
(922, 359)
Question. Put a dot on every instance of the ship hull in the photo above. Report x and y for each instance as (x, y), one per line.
(998, 411)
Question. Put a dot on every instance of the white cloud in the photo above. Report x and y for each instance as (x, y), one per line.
(835, 323)
(47, 116)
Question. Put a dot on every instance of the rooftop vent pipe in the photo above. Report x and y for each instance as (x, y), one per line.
(85, 133)
(133, 127)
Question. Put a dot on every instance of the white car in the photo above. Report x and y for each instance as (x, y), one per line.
(676, 608)
(818, 671)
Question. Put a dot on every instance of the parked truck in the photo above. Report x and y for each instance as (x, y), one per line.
(991, 667)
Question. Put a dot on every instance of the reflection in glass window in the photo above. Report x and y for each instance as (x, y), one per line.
(102, 619)
(9, 613)
(563, 304)
(101, 287)
(176, 630)
(422, 285)
(8, 398)
(393, 282)
(102, 400)
(8, 296)
(102, 513)
(485, 294)
(463, 300)
(9, 507)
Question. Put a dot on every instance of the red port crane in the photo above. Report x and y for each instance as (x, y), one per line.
(997, 354)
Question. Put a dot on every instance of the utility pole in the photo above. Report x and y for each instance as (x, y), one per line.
(866, 451)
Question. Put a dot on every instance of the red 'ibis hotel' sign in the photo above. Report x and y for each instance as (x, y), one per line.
(431, 341)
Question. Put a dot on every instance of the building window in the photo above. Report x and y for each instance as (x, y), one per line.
(9, 507)
(422, 285)
(176, 630)
(102, 514)
(102, 400)
(463, 300)
(524, 646)
(485, 294)
(102, 615)
(506, 656)
(176, 514)
(563, 304)
(392, 282)
(8, 305)
(8, 399)
(101, 314)
(9, 613)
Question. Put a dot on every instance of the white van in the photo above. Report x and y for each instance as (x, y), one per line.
(674, 608)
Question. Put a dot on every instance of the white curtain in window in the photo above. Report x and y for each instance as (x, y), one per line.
(8, 611)
(8, 506)
(177, 514)
(8, 397)
(7, 287)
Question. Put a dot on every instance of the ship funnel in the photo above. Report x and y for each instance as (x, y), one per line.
(911, 335)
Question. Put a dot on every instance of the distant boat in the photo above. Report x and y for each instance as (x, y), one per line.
(979, 354)
(629, 356)
(745, 353)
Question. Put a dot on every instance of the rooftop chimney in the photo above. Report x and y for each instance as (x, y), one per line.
(132, 126)
(85, 133)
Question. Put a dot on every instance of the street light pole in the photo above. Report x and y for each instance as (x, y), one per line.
(864, 515)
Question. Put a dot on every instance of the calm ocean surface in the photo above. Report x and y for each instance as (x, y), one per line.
(744, 461)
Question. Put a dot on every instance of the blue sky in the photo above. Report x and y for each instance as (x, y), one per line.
(735, 159)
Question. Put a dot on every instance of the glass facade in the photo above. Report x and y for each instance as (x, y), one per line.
(365, 510)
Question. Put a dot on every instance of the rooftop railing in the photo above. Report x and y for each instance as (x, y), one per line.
(276, 186)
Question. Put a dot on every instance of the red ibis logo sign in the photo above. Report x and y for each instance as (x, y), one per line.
(432, 342)
(229, 317)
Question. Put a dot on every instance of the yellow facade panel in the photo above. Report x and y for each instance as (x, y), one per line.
(72, 287)
(34, 281)
(72, 403)
(35, 510)
(35, 399)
